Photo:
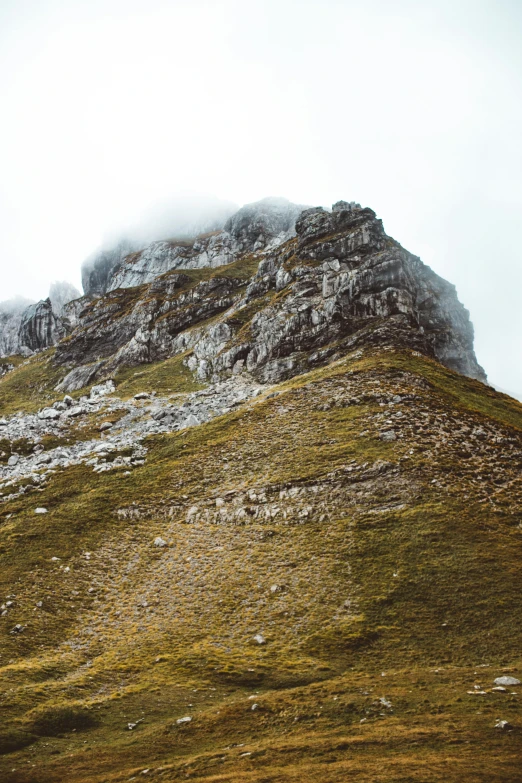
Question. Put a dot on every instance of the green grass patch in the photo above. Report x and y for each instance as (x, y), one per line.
(30, 386)
(168, 377)
(12, 739)
(50, 720)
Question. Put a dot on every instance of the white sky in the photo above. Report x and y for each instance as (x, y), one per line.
(410, 107)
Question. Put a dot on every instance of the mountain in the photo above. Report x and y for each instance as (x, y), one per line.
(260, 520)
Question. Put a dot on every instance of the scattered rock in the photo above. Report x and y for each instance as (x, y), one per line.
(101, 389)
(142, 396)
(41, 510)
(17, 629)
(503, 725)
(107, 425)
(49, 413)
(190, 421)
(77, 410)
(388, 436)
(259, 638)
(505, 680)
(159, 542)
(182, 721)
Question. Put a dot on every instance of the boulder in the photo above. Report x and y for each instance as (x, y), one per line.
(506, 680)
(49, 414)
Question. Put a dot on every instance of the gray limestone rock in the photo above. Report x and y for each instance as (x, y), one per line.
(341, 280)
(61, 293)
(49, 413)
(97, 269)
(257, 225)
(253, 228)
(40, 327)
(507, 680)
(11, 312)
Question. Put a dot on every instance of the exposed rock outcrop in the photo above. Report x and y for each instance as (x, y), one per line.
(264, 223)
(41, 327)
(326, 283)
(97, 269)
(10, 319)
(254, 227)
(61, 293)
(346, 284)
(26, 327)
(161, 257)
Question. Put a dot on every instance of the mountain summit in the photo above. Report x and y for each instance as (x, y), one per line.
(260, 517)
(312, 282)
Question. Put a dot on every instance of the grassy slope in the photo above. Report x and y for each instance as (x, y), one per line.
(30, 385)
(163, 377)
(398, 581)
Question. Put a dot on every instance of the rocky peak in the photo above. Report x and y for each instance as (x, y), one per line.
(96, 270)
(61, 293)
(258, 224)
(253, 228)
(359, 226)
(327, 282)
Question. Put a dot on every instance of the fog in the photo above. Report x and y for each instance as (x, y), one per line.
(116, 110)
(181, 216)
(17, 304)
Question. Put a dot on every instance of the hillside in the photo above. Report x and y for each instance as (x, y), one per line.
(274, 496)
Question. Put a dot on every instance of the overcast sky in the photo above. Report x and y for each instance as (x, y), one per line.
(413, 108)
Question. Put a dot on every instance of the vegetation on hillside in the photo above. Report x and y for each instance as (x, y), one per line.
(381, 575)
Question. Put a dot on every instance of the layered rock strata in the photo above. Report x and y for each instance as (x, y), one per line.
(326, 283)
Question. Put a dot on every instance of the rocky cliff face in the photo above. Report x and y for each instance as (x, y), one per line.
(61, 293)
(254, 227)
(10, 319)
(40, 327)
(280, 290)
(96, 270)
(26, 327)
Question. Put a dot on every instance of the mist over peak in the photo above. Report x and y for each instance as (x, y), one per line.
(181, 216)
(61, 292)
(15, 305)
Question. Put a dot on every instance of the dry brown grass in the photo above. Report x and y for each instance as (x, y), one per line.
(397, 573)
